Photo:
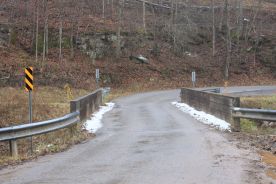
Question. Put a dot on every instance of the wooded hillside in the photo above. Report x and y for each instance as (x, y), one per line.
(230, 40)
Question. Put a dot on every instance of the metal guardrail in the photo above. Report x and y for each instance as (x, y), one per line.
(256, 114)
(223, 106)
(212, 90)
(106, 91)
(80, 109)
(28, 130)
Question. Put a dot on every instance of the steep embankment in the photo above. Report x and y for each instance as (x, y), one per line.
(172, 55)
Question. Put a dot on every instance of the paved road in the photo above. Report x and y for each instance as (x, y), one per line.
(250, 90)
(246, 90)
(145, 140)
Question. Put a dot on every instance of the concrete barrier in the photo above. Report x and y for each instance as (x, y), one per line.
(216, 104)
(88, 104)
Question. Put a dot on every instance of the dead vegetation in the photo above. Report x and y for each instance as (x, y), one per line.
(48, 103)
(44, 144)
(259, 102)
(260, 134)
(172, 54)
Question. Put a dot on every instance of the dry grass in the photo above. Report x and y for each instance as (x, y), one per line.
(44, 144)
(48, 103)
(131, 89)
(259, 102)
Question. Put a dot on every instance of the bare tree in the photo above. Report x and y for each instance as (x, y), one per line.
(228, 42)
(60, 29)
(144, 16)
(214, 29)
(103, 9)
(45, 37)
(37, 24)
(74, 26)
(11, 20)
(112, 7)
(120, 15)
(240, 26)
(253, 28)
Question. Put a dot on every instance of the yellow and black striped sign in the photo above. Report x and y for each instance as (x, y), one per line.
(29, 79)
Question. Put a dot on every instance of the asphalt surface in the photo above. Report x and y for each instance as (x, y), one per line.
(240, 91)
(250, 90)
(145, 140)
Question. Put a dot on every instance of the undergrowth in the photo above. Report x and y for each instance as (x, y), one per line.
(258, 102)
(48, 103)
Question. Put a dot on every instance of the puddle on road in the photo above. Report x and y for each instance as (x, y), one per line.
(269, 159)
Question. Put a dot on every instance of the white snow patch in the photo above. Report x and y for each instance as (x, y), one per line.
(203, 117)
(94, 123)
(188, 53)
(49, 145)
(142, 58)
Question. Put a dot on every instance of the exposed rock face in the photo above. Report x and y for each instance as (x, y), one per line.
(4, 35)
(98, 45)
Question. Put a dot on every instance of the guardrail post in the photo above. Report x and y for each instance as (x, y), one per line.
(236, 126)
(101, 100)
(88, 111)
(13, 148)
(74, 106)
(235, 122)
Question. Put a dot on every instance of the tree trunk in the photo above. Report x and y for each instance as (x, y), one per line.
(103, 9)
(172, 15)
(223, 16)
(174, 26)
(36, 37)
(60, 40)
(112, 8)
(144, 16)
(33, 31)
(72, 44)
(118, 46)
(45, 29)
(228, 42)
(214, 29)
(240, 27)
(60, 29)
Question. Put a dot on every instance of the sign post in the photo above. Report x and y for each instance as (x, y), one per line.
(29, 88)
(97, 77)
(194, 78)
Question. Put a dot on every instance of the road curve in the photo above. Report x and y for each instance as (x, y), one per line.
(241, 91)
(145, 140)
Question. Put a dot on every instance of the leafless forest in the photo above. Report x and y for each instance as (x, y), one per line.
(221, 40)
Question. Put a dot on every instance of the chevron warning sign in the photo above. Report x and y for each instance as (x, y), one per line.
(29, 78)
